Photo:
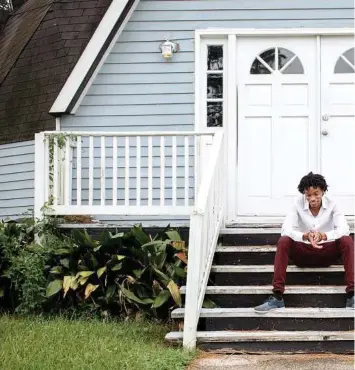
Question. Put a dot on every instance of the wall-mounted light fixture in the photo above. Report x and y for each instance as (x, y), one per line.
(167, 48)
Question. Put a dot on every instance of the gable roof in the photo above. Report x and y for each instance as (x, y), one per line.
(39, 47)
(94, 55)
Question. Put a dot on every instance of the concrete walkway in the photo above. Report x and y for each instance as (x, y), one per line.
(209, 361)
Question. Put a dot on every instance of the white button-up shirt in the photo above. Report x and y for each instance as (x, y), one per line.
(329, 220)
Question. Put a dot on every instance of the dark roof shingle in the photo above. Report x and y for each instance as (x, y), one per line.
(39, 47)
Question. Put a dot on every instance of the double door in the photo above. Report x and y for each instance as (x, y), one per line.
(296, 105)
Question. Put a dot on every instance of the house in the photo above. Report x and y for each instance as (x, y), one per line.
(198, 113)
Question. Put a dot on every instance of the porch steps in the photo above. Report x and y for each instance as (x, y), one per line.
(267, 336)
(264, 289)
(303, 312)
(270, 268)
(315, 319)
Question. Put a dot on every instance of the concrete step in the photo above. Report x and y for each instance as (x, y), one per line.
(270, 268)
(245, 248)
(265, 336)
(265, 289)
(289, 312)
(291, 319)
(272, 342)
(295, 295)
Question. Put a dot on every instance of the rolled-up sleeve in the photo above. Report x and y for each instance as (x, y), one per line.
(291, 227)
(341, 227)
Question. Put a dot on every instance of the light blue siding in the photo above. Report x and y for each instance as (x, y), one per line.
(16, 179)
(137, 90)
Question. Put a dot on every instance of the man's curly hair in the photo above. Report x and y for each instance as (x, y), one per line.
(312, 180)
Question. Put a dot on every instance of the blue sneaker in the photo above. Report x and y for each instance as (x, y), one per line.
(272, 304)
(350, 303)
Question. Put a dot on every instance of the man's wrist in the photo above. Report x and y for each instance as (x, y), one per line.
(324, 236)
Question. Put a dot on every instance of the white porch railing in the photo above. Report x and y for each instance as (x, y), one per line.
(112, 173)
(163, 173)
(206, 221)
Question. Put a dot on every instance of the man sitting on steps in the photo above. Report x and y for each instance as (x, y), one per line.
(314, 234)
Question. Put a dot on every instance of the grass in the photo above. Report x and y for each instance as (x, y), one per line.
(61, 344)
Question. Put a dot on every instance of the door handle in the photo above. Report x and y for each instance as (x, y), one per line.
(325, 132)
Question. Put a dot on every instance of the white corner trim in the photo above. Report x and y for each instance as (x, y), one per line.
(104, 57)
(274, 31)
(57, 123)
(90, 53)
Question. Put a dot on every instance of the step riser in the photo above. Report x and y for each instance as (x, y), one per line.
(252, 239)
(293, 278)
(272, 323)
(337, 347)
(291, 300)
(252, 258)
(249, 239)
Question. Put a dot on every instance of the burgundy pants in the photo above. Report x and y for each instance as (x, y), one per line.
(304, 255)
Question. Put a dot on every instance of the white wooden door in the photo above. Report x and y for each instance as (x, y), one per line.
(276, 144)
(338, 124)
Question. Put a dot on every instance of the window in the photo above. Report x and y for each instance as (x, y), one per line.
(276, 59)
(345, 63)
(214, 77)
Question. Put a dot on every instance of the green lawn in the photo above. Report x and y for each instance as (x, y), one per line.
(41, 344)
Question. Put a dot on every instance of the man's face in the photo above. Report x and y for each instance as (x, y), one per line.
(314, 196)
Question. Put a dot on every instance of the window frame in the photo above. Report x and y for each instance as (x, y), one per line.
(201, 88)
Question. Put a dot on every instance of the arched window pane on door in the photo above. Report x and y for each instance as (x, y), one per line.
(280, 59)
(345, 63)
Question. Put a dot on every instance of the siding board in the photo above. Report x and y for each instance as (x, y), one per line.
(143, 99)
(212, 15)
(154, 57)
(145, 89)
(266, 23)
(16, 179)
(153, 5)
(143, 78)
(128, 110)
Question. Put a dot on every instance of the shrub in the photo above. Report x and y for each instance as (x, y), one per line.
(122, 273)
(22, 264)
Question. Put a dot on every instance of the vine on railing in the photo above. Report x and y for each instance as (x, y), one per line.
(61, 139)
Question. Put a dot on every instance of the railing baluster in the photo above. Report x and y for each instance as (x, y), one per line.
(138, 173)
(91, 169)
(55, 172)
(114, 171)
(162, 171)
(126, 197)
(174, 160)
(187, 171)
(78, 171)
(67, 171)
(150, 171)
(103, 172)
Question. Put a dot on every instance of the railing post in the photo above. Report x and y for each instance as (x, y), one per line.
(192, 311)
(39, 174)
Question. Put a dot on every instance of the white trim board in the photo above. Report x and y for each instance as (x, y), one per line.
(112, 19)
(210, 32)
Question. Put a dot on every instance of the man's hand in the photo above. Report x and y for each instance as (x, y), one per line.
(314, 237)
